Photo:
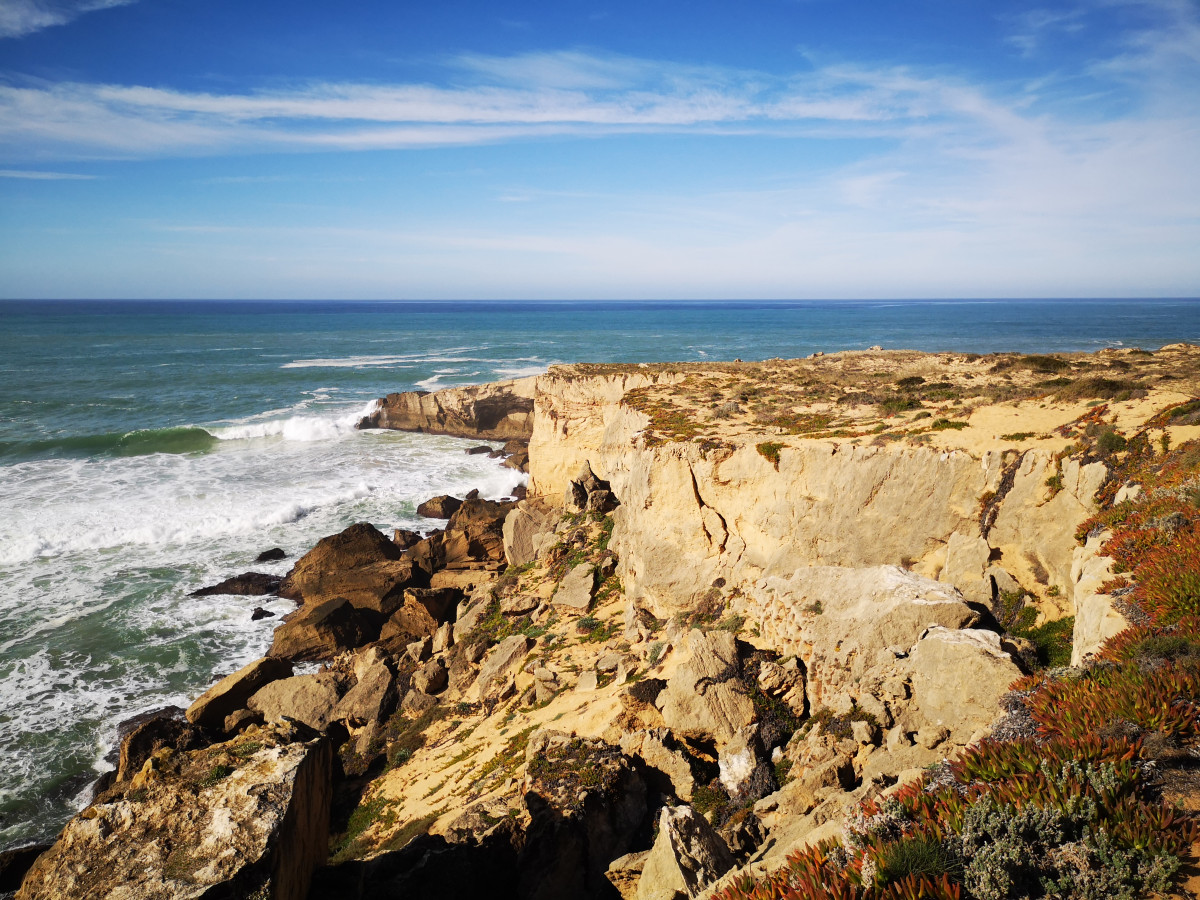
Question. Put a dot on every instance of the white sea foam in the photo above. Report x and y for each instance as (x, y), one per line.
(297, 428)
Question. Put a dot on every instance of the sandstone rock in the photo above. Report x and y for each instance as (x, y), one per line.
(476, 532)
(588, 682)
(958, 679)
(248, 584)
(519, 605)
(501, 659)
(784, 681)
(306, 698)
(576, 590)
(704, 698)
(145, 735)
(609, 662)
(233, 691)
(404, 539)
(687, 856)
(530, 519)
(625, 871)
(443, 638)
(419, 615)
(346, 564)
(430, 678)
(264, 822)
(661, 753)
(499, 411)
(600, 502)
(273, 555)
(373, 697)
(322, 630)
(836, 620)
(415, 703)
(237, 722)
(1096, 618)
(442, 506)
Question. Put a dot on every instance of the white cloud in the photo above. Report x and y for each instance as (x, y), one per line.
(22, 17)
(36, 175)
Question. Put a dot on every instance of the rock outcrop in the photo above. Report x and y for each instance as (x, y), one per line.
(499, 411)
(247, 816)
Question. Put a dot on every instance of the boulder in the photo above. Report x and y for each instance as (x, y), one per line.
(958, 678)
(430, 678)
(359, 564)
(576, 590)
(322, 630)
(478, 451)
(403, 538)
(248, 584)
(687, 856)
(705, 699)
(501, 659)
(231, 693)
(259, 613)
(420, 615)
(212, 823)
(273, 555)
(442, 506)
(475, 532)
(745, 769)
(373, 697)
(530, 519)
(306, 698)
(415, 703)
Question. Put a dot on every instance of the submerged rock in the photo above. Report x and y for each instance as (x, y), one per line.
(248, 584)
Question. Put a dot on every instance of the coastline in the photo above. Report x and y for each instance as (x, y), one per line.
(616, 430)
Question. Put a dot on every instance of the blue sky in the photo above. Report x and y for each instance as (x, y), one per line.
(764, 149)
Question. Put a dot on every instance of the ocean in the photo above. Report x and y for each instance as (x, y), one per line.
(151, 448)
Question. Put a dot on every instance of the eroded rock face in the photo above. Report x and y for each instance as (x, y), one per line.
(837, 620)
(475, 533)
(322, 630)
(531, 519)
(499, 411)
(250, 815)
(306, 698)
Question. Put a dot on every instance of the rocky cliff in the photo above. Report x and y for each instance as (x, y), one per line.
(752, 615)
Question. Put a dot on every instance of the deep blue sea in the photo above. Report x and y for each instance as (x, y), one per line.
(150, 448)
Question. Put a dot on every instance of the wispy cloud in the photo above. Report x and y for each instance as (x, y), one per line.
(22, 17)
(35, 175)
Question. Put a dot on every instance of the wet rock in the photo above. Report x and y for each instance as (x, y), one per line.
(478, 451)
(273, 555)
(260, 613)
(248, 584)
(233, 691)
(442, 506)
(257, 823)
(322, 630)
(306, 698)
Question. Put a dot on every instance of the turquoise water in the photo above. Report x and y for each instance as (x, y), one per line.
(147, 449)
